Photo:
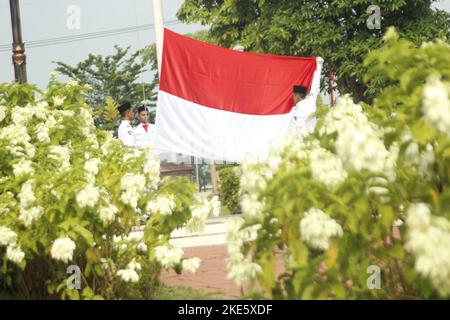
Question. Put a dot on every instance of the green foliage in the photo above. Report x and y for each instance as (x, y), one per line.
(229, 188)
(376, 209)
(116, 76)
(63, 181)
(334, 30)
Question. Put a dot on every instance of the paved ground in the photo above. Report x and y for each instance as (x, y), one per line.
(210, 246)
(210, 277)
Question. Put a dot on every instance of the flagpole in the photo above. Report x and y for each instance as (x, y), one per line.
(158, 20)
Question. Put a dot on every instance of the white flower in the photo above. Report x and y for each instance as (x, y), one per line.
(7, 236)
(251, 205)
(2, 113)
(168, 256)
(42, 133)
(26, 195)
(134, 265)
(141, 246)
(215, 205)
(243, 272)
(88, 197)
(22, 115)
(107, 213)
(163, 205)
(62, 249)
(128, 275)
(15, 254)
(436, 104)
(359, 142)
(91, 166)
(28, 215)
(327, 168)
(428, 238)
(23, 168)
(317, 229)
(61, 154)
(132, 186)
(58, 101)
(191, 265)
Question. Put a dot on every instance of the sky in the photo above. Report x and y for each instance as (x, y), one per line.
(47, 19)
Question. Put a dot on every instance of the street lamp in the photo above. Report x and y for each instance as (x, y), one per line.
(18, 47)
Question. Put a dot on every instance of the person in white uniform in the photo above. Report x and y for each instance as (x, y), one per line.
(125, 132)
(305, 106)
(144, 133)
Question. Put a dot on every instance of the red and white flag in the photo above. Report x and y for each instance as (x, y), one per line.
(223, 104)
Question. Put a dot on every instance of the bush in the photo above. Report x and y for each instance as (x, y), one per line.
(69, 198)
(229, 188)
(360, 208)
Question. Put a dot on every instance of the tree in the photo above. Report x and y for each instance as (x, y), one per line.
(333, 29)
(115, 76)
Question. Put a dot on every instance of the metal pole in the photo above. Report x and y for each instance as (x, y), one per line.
(18, 48)
(158, 20)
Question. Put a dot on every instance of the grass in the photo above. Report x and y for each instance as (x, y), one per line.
(184, 293)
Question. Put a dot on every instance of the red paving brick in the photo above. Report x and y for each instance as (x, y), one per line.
(211, 277)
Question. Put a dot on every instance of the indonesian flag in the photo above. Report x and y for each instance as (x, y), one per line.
(223, 104)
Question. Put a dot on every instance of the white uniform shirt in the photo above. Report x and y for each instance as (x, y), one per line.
(301, 113)
(144, 138)
(126, 134)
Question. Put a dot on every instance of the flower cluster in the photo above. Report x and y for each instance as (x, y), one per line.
(130, 273)
(132, 186)
(8, 238)
(163, 205)
(428, 238)
(359, 142)
(168, 256)
(317, 229)
(436, 104)
(240, 268)
(62, 249)
(200, 212)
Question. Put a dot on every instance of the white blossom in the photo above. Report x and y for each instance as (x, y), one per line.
(191, 265)
(15, 254)
(88, 197)
(251, 205)
(91, 166)
(241, 269)
(62, 249)
(7, 236)
(28, 215)
(22, 115)
(2, 113)
(168, 256)
(436, 103)
(327, 168)
(128, 275)
(26, 195)
(61, 154)
(428, 238)
(163, 205)
(132, 186)
(107, 213)
(42, 133)
(317, 229)
(142, 247)
(134, 265)
(23, 168)
(58, 100)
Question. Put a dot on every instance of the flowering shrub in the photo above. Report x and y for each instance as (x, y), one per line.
(71, 196)
(370, 187)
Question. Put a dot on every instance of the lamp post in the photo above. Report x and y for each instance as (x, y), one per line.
(18, 48)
